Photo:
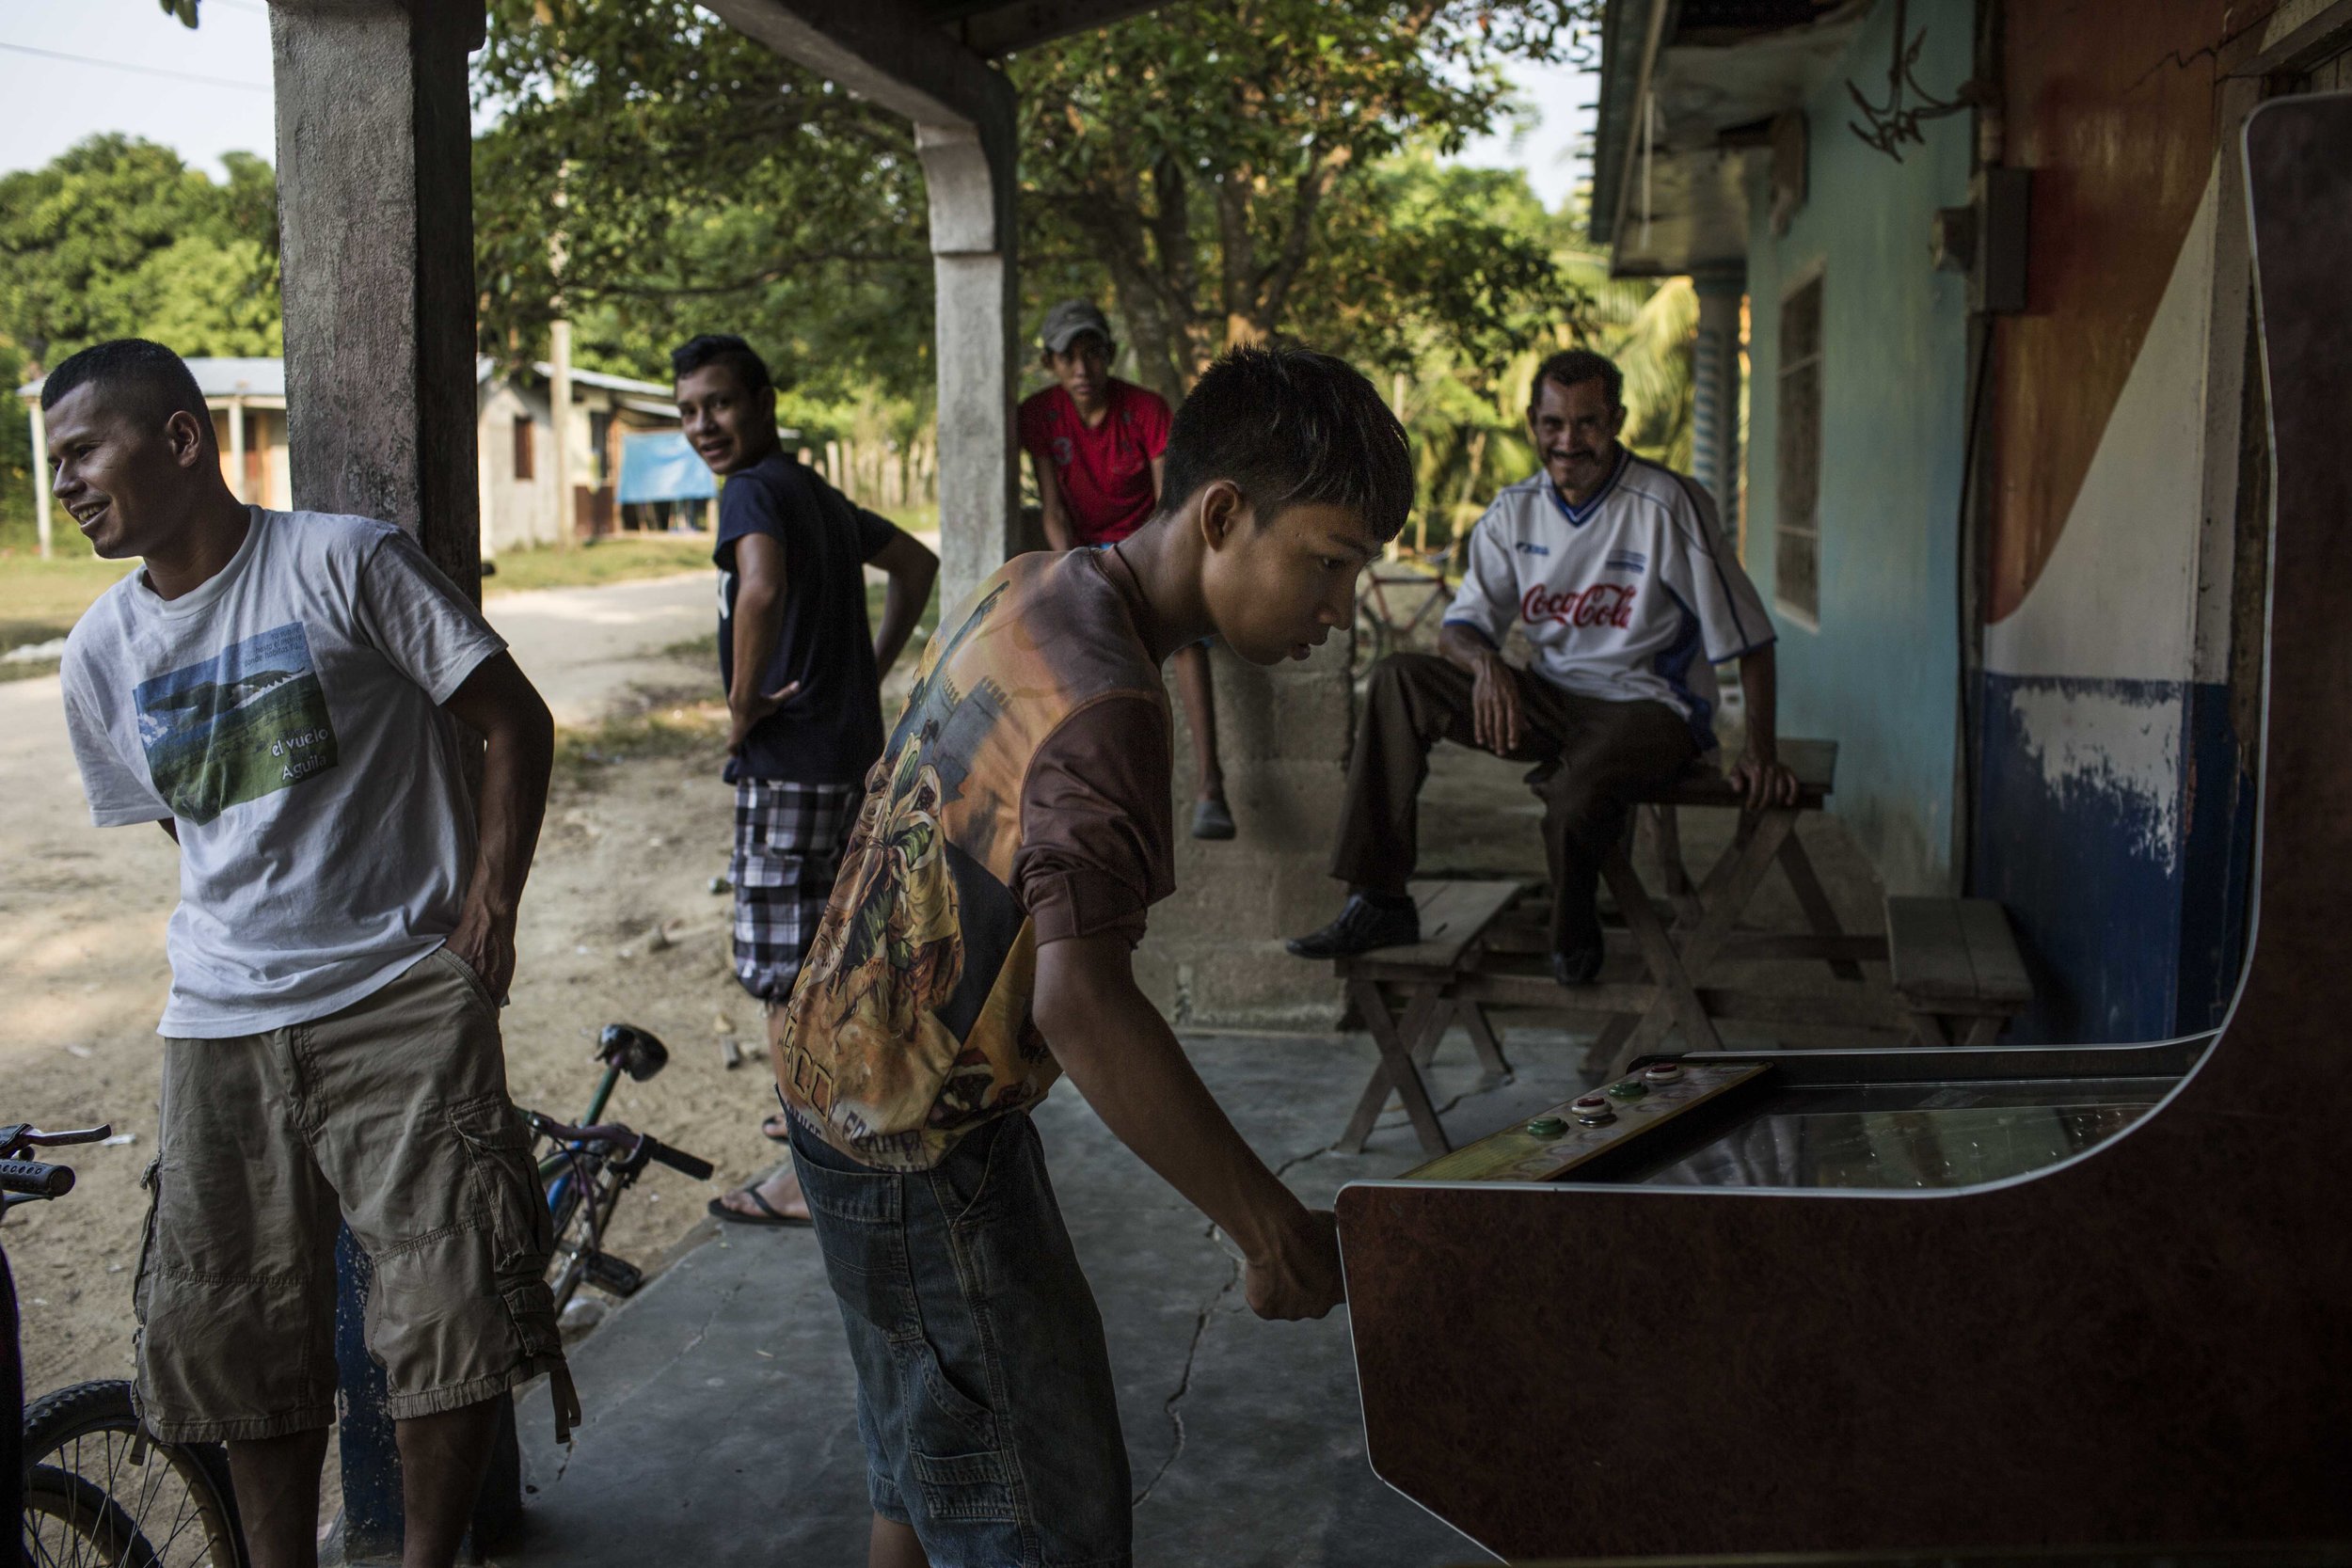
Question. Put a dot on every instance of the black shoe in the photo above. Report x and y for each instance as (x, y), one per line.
(1579, 967)
(1361, 927)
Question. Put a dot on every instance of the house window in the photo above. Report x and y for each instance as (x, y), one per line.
(1797, 532)
(526, 448)
(599, 444)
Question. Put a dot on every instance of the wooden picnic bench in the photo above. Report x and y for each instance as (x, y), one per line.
(1454, 919)
(1956, 965)
(1480, 935)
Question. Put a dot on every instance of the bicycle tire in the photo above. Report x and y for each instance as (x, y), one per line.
(177, 1496)
(1368, 641)
(565, 1274)
(85, 1525)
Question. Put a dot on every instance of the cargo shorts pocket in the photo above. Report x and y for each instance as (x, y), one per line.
(151, 1183)
(473, 983)
(506, 1189)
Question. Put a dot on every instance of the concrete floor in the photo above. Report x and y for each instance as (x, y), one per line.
(720, 1428)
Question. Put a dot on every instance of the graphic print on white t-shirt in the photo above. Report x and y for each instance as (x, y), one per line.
(1628, 597)
(242, 725)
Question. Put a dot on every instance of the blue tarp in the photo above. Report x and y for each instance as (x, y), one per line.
(658, 465)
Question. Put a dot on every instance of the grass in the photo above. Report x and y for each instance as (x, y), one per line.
(39, 600)
(606, 561)
(697, 729)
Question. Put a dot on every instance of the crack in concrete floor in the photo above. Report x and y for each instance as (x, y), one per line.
(1488, 1083)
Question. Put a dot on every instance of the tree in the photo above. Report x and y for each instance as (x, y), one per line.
(1195, 156)
(117, 237)
(655, 174)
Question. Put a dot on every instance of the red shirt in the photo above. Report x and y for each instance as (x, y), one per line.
(1105, 472)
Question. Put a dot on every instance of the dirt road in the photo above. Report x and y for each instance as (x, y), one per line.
(631, 844)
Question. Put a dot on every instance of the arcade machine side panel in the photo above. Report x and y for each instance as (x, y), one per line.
(2142, 1345)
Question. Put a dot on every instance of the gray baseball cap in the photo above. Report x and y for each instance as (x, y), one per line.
(1065, 322)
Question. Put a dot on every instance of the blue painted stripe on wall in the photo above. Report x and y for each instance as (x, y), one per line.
(2125, 887)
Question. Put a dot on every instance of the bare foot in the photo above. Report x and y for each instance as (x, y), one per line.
(782, 1193)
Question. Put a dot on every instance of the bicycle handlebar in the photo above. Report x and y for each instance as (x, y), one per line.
(36, 1180)
(677, 1159)
(16, 1137)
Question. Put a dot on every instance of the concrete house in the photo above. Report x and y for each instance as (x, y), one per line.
(2005, 480)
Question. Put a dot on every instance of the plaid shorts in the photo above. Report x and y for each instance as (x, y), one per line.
(788, 849)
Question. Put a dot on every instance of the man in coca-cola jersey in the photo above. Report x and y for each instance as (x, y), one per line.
(1617, 573)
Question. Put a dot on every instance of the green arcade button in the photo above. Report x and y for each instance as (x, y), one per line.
(1546, 1127)
(1631, 1090)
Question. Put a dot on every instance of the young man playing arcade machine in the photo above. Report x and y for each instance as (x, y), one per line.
(1616, 569)
(1097, 445)
(978, 947)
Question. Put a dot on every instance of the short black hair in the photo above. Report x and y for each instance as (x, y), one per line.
(721, 348)
(1290, 426)
(139, 376)
(1570, 366)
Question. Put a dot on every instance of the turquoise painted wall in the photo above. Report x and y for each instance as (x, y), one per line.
(1882, 673)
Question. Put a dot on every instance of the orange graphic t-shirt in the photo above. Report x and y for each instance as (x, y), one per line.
(1022, 799)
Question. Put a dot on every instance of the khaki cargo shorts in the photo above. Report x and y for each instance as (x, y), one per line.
(390, 1116)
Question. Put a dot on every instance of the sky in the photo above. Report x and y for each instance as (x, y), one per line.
(128, 67)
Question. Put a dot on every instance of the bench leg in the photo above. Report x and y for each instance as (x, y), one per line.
(1929, 1029)
(1600, 1057)
(1818, 914)
(1681, 894)
(1984, 1029)
(1398, 1043)
(1484, 1040)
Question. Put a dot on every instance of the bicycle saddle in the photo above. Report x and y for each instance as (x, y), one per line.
(634, 1050)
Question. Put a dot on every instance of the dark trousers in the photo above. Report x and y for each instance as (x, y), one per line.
(1589, 755)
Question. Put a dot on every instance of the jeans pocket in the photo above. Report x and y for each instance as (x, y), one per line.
(965, 1485)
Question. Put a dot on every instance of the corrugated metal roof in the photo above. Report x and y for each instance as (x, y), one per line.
(220, 378)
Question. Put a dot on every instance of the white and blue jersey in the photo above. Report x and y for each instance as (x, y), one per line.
(1633, 596)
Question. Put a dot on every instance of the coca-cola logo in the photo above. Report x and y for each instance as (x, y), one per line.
(1604, 604)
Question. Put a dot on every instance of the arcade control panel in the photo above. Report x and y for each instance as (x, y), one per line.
(1593, 1129)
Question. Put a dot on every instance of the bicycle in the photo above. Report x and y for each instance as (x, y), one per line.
(1378, 630)
(98, 1488)
(589, 1166)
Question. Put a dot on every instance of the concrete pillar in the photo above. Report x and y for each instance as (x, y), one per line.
(40, 475)
(375, 218)
(376, 235)
(969, 172)
(1715, 392)
(236, 450)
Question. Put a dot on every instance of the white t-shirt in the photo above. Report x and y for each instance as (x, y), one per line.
(1630, 597)
(287, 714)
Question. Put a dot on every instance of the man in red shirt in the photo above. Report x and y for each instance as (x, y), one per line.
(1097, 445)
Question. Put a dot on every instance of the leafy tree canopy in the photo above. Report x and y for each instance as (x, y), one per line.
(117, 237)
(1216, 161)
(655, 174)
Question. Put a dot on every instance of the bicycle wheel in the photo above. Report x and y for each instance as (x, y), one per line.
(1367, 643)
(174, 1498)
(70, 1522)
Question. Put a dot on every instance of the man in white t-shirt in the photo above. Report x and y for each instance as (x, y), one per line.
(283, 692)
(1616, 571)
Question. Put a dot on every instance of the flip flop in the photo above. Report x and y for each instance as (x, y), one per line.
(766, 1216)
(776, 1127)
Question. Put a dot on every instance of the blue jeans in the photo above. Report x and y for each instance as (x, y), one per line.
(984, 1392)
